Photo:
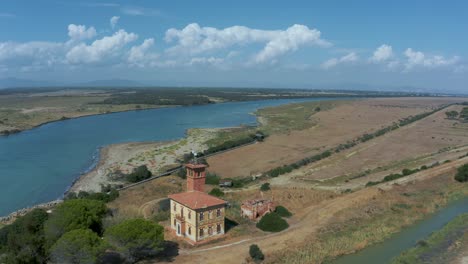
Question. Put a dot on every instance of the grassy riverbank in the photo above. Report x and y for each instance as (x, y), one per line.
(366, 224)
(441, 247)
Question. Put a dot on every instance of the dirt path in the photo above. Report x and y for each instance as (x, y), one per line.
(315, 217)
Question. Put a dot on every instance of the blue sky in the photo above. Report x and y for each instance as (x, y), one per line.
(238, 43)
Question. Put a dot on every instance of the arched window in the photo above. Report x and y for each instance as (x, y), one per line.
(218, 213)
(175, 206)
(182, 211)
(174, 222)
(210, 231)
(201, 216)
(189, 214)
(201, 232)
(218, 228)
(189, 230)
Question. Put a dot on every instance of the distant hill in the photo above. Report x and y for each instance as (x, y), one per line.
(111, 83)
(25, 83)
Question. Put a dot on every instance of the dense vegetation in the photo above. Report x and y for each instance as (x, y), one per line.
(462, 174)
(282, 211)
(107, 194)
(256, 254)
(212, 178)
(272, 222)
(140, 173)
(216, 192)
(265, 187)
(72, 234)
(136, 239)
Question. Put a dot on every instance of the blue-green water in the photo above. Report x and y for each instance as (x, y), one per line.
(38, 165)
(384, 252)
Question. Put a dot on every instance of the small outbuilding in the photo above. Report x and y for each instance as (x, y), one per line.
(257, 208)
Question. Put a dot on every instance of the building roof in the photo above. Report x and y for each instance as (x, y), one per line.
(195, 165)
(196, 199)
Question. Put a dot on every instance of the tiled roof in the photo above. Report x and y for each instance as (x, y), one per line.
(196, 199)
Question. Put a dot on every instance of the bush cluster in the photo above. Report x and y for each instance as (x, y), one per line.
(272, 222)
(282, 211)
(462, 174)
(256, 254)
(404, 172)
(216, 192)
(140, 173)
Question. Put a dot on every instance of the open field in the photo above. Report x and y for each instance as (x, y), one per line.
(338, 123)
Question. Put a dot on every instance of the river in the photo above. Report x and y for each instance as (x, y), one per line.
(384, 252)
(38, 165)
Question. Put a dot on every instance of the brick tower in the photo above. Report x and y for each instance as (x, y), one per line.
(195, 177)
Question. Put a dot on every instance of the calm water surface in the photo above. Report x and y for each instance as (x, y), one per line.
(38, 165)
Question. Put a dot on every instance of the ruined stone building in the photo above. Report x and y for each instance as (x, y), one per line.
(195, 214)
(257, 208)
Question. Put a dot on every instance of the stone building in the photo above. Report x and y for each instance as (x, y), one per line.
(257, 208)
(196, 215)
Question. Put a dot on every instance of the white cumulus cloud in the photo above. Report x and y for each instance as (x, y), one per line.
(113, 21)
(194, 39)
(101, 48)
(141, 56)
(350, 57)
(382, 53)
(418, 58)
(80, 32)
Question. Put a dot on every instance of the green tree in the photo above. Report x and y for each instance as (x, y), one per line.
(136, 239)
(212, 178)
(74, 214)
(23, 241)
(139, 174)
(451, 114)
(256, 253)
(265, 187)
(78, 246)
(272, 222)
(282, 211)
(216, 192)
(462, 174)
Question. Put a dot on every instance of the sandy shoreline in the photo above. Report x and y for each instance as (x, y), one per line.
(124, 157)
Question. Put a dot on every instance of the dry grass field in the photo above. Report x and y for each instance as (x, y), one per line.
(341, 122)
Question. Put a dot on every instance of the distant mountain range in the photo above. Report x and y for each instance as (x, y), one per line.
(26, 83)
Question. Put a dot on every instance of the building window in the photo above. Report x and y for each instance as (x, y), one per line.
(201, 216)
(189, 214)
(218, 213)
(174, 222)
(210, 231)
(175, 206)
(201, 232)
(182, 211)
(190, 230)
(218, 228)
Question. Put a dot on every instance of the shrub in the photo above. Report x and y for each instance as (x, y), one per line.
(164, 205)
(216, 192)
(282, 211)
(265, 187)
(272, 222)
(77, 246)
(462, 174)
(182, 173)
(139, 174)
(23, 241)
(212, 178)
(74, 214)
(255, 253)
(161, 216)
(136, 239)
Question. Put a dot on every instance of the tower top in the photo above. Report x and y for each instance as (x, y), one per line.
(195, 177)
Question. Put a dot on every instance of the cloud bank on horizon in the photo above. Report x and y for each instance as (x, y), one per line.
(195, 46)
